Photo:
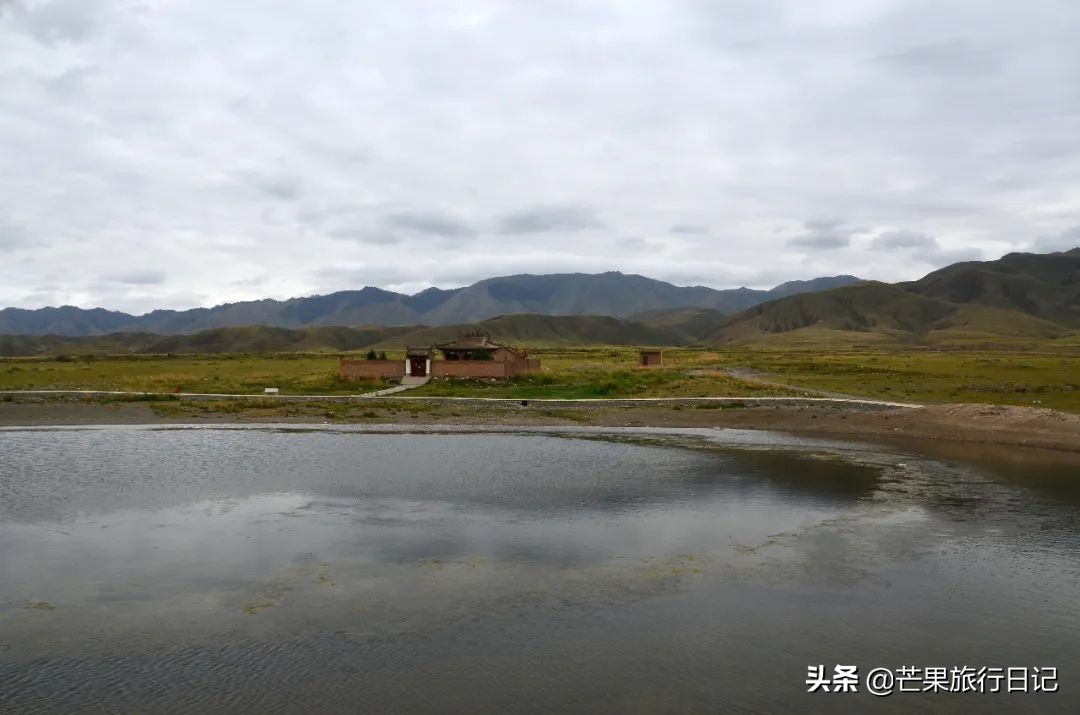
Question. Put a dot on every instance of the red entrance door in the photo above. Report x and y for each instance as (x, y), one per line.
(418, 366)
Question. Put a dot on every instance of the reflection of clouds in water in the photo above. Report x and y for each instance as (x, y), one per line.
(381, 498)
(156, 550)
(53, 475)
(551, 549)
(181, 507)
(223, 541)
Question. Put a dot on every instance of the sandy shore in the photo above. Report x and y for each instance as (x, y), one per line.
(986, 424)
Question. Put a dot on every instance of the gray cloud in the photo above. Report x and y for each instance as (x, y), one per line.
(431, 222)
(1064, 241)
(904, 239)
(137, 277)
(824, 240)
(825, 234)
(688, 228)
(954, 57)
(363, 234)
(12, 236)
(350, 277)
(823, 224)
(923, 247)
(178, 135)
(55, 21)
(559, 217)
(637, 244)
(70, 82)
(946, 256)
(274, 186)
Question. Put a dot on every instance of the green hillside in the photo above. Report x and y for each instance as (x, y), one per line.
(867, 307)
(1016, 298)
(251, 339)
(254, 339)
(1042, 285)
(532, 329)
(545, 330)
(689, 324)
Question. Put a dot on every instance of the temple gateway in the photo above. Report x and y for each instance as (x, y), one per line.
(468, 355)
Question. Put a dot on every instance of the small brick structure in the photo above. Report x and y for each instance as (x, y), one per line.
(652, 358)
(470, 355)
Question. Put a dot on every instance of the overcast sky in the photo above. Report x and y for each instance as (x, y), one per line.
(175, 153)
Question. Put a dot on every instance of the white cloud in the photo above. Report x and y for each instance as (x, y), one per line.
(923, 248)
(904, 239)
(137, 277)
(546, 219)
(1064, 241)
(825, 234)
(13, 236)
(244, 149)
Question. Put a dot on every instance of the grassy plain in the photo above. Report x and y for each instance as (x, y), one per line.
(609, 372)
(1045, 377)
(298, 373)
(1030, 379)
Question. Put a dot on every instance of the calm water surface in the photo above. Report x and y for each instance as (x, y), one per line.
(285, 570)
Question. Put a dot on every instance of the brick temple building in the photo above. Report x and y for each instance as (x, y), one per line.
(468, 355)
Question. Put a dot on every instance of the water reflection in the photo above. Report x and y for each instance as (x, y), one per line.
(285, 571)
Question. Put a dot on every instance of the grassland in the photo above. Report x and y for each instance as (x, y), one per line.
(1006, 378)
(1045, 377)
(315, 374)
(584, 373)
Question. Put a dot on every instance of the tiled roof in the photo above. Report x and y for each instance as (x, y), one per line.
(470, 341)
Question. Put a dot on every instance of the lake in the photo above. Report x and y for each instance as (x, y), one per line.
(343, 569)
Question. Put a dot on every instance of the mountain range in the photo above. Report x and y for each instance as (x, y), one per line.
(613, 294)
(1014, 300)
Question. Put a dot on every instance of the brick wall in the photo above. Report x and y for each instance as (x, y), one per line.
(368, 369)
(499, 369)
(469, 368)
(505, 366)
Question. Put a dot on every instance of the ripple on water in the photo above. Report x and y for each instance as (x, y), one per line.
(337, 570)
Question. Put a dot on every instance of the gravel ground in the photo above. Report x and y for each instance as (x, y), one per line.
(989, 424)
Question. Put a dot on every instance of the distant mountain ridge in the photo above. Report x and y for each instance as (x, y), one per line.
(1019, 295)
(1015, 299)
(607, 294)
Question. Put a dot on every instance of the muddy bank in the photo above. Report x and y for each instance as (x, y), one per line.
(1018, 426)
(986, 424)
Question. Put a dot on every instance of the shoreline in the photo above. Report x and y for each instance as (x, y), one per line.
(1006, 426)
